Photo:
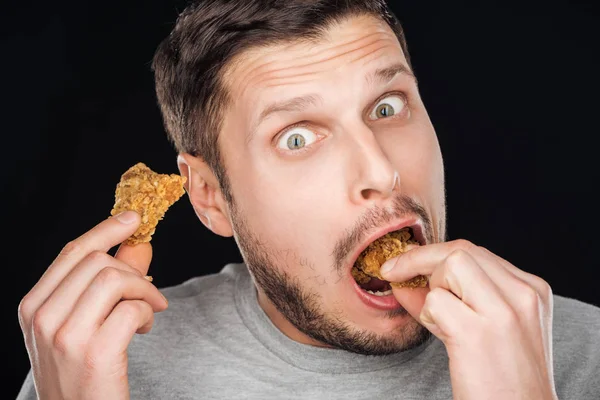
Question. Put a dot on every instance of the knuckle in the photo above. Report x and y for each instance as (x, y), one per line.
(97, 256)
(64, 341)
(73, 247)
(130, 311)
(546, 290)
(463, 244)
(25, 311)
(543, 287)
(41, 324)
(483, 249)
(530, 299)
(456, 261)
(109, 276)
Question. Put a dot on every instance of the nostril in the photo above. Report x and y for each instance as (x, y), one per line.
(368, 194)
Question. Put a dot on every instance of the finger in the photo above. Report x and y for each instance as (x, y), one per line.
(109, 287)
(102, 237)
(63, 299)
(411, 299)
(463, 267)
(461, 274)
(127, 318)
(540, 285)
(528, 294)
(523, 291)
(445, 315)
(138, 256)
(424, 260)
(421, 260)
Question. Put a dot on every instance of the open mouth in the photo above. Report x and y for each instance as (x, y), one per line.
(365, 270)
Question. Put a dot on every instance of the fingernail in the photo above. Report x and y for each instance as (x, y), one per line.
(388, 266)
(163, 296)
(126, 217)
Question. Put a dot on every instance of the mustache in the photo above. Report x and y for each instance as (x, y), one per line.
(372, 218)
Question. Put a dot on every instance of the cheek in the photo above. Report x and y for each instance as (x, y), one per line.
(288, 214)
(292, 198)
(417, 158)
(300, 226)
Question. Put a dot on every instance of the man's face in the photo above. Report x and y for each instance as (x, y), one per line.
(328, 146)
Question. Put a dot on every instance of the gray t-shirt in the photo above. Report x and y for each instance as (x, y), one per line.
(215, 342)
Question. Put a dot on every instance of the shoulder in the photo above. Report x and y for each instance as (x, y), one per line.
(200, 309)
(27, 391)
(202, 297)
(197, 306)
(574, 317)
(576, 347)
(204, 286)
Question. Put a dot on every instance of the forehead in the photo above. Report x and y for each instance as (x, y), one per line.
(359, 43)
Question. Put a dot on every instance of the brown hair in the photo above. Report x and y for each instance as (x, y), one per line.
(208, 34)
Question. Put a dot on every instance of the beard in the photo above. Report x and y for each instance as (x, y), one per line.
(302, 307)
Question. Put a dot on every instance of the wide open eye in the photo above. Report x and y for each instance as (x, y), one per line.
(296, 138)
(388, 106)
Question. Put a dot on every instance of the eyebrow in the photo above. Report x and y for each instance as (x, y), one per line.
(296, 104)
(301, 103)
(385, 75)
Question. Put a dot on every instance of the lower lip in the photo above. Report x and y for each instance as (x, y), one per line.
(384, 303)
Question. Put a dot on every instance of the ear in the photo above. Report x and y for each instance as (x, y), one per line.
(205, 194)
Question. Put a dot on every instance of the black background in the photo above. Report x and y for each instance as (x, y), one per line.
(511, 87)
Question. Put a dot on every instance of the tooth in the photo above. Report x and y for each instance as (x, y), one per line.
(379, 294)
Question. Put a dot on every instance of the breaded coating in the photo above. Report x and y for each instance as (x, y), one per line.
(149, 194)
(417, 281)
(360, 276)
(388, 246)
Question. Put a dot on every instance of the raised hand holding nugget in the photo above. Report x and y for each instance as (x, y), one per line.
(80, 317)
(494, 319)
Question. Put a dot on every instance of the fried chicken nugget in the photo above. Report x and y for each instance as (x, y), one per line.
(149, 194)
(390, 245)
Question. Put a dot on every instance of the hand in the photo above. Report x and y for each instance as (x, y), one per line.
(81, 315)
(494, 319)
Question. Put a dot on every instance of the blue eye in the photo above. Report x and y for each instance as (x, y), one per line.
(296, 138)
(387, 107)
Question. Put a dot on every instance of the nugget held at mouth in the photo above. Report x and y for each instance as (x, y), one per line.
(149, 194)
(392, 244)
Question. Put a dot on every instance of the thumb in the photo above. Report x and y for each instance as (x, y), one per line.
(138, 256)
(411, 299)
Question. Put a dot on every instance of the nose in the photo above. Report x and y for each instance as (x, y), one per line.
(374, 177)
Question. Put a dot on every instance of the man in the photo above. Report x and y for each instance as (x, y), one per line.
(301, 132)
